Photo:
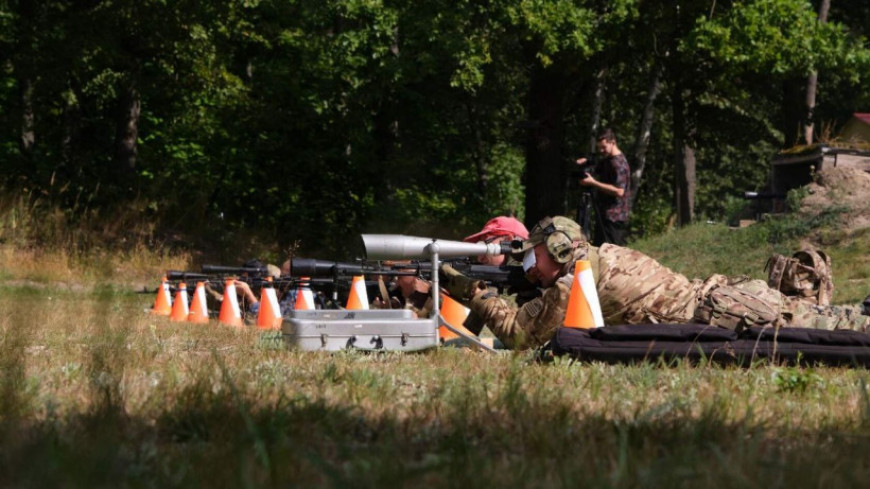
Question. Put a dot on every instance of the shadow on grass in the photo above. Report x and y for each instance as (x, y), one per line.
(205, 440)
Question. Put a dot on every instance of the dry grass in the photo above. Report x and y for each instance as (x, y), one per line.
(95, 392)
(40, 242)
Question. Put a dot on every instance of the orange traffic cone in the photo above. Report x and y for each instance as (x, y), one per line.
(179, 306)
(163, 301)
(584, 310)
(269, 316)
(198, 309)
(359, 298)
(454, 313)
(304, 296)
(230, 312)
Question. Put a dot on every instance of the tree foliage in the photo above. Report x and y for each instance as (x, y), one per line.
(312, 121)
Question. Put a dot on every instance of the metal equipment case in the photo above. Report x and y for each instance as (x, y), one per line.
(381, 329)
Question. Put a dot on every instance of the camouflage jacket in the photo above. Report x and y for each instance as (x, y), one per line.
(632, 289)
(531, 324)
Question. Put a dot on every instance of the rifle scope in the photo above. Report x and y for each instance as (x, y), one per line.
(308, 267)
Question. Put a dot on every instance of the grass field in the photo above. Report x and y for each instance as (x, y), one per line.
(93, 392)
(96, 393)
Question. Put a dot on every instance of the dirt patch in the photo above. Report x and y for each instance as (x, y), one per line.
(847, 188)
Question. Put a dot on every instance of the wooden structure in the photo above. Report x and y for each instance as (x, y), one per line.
(795, 167)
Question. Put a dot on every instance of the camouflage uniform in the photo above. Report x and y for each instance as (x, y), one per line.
(633, 288)
(798, 313)
(534, 323)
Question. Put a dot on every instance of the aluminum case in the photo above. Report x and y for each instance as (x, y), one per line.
(341, 329)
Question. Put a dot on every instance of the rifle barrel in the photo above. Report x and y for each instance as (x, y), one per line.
(183, 275)
(220, 269)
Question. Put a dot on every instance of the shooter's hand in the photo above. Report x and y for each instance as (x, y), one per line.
(459, 286)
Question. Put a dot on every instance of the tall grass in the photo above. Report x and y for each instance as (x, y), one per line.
(97, 393)
(43, 243)
(700, 250)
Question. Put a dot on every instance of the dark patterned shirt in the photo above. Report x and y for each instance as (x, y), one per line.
(614, 170)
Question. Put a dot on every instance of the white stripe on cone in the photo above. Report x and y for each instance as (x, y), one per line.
(587, 285)
(200, 300)
(166, 294)
(358, 287)
(181, 305)
(304, 296)
(308, 297)
(273, 301)
(234, 300)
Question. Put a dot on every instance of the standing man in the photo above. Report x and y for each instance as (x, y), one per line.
(613, 191)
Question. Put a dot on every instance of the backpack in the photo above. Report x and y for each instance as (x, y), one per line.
(737, 309)
(806, 276)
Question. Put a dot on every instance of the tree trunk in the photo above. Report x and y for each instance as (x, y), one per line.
(545, 176)
(642, 136)
(23, 65)
(127, 129)
(684, 160)
(595, 113)
(813, 82)
(791, 111)
(479, 154)
(28, 134)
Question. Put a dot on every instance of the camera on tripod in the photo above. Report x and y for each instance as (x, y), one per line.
(582, 170)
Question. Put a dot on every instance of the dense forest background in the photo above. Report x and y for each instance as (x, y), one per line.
(309, 122)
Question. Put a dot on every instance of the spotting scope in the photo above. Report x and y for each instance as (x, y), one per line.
(398, 246)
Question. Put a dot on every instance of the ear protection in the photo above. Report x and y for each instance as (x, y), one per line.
(559, 244)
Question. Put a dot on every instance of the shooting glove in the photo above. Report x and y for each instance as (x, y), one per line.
(459, 286)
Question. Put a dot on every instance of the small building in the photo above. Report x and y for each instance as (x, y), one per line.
(794, 167)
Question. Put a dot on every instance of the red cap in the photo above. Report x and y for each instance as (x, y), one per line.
(500, 226)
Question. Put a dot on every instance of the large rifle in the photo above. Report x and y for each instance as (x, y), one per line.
(400, 247)
(509, 278)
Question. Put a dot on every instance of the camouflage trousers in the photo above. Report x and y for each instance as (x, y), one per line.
(798, 313)
(633, 288)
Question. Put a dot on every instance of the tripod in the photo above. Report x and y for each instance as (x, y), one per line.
(584, 218)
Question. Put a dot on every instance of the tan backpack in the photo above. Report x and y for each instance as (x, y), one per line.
(806, 276)
(736, 308)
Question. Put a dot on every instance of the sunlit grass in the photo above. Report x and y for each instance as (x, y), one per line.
(96, 392)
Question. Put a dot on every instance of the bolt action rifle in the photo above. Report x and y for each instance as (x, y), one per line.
(506, 278)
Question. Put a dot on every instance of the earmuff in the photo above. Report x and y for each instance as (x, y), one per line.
(559, 244)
